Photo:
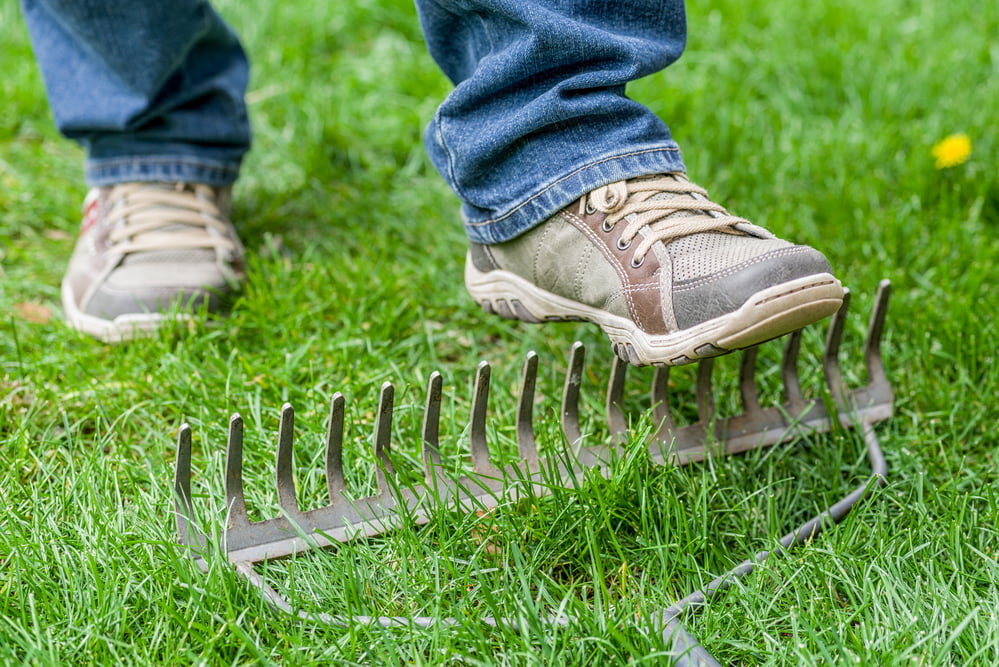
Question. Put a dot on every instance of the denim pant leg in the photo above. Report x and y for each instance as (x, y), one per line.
(539, 115)
(152, 90)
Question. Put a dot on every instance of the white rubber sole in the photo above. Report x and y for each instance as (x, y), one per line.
(770, 313)
(120, 329)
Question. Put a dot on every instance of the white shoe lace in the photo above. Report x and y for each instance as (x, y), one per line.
(157, 216)
(641, 204)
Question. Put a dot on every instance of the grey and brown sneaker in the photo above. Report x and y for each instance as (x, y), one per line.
(148, 252)
(668, 274)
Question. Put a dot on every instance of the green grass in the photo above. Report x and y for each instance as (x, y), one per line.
(815, 119)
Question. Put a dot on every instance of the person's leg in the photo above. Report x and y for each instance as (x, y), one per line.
(153, 91)
(539, 115)
(575, 197)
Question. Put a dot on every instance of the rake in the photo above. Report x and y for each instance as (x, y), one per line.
(487, 484)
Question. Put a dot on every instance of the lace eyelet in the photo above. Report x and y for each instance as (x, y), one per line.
(607, 229)
(589, 209)
(637, 263)
(623, 246)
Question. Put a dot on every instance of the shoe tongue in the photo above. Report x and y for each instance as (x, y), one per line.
(739, 228)
(168, 254)
(706, 239)
(665, 195)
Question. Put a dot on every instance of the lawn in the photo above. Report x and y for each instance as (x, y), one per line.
(817, 120)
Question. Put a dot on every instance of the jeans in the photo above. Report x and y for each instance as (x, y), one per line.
(538, 116)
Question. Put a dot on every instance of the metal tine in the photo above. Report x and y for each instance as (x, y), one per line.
(660, 404)
(183, 507)
(285, 477)
(748, 391)
(616, 420)
(875, 331)
(796, 404)
(830, 357)
(705, 395)
(234, 499)
(335, 482)
(526, 446)
(477, 432)
(432, 424)
(570, 394)
(383, 437)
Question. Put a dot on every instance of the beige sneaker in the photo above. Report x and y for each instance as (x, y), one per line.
(669, 275)
(146, 253)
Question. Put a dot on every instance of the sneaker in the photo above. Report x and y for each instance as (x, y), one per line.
(147, 251)
(669, 275)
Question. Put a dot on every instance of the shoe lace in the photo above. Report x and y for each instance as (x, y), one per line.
(156, 216)
(640, 203)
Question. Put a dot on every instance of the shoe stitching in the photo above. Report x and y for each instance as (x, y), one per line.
(577, 283)
(795, 290)
(629, 287)
(545, 231)
(579, 224)
(489, 255)
(700, 282)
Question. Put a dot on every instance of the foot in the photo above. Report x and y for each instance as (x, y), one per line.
(669, 275)
(148, 253)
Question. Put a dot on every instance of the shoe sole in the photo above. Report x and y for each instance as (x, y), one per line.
(118, 330)
(768, 314)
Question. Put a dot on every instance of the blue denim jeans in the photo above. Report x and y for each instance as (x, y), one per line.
(538, 116)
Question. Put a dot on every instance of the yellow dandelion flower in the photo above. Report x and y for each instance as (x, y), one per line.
(952, 151)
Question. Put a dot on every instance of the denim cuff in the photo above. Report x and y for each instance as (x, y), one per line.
(554, 196)
(167, 168)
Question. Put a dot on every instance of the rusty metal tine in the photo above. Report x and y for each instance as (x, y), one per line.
(526, 447)
(248, 542)
(234, 499)
(830, 357)
(285, 477)
(335, 482)
(432, 425)
(661, 417)
(570, 394)
(183, 507)
(796, 404)
(705, 397)
(875, 331)
(383, 436)
(477, 432)
(747, 380)
(615, 400)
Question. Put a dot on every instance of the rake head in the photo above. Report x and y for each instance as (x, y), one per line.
(247, 542)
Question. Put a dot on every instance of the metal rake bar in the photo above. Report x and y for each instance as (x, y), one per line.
(344, 519)
(487, 485)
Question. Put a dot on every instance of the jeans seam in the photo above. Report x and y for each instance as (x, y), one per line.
(573, 173)
(452, 177)
(439, 117)
(102, 163)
